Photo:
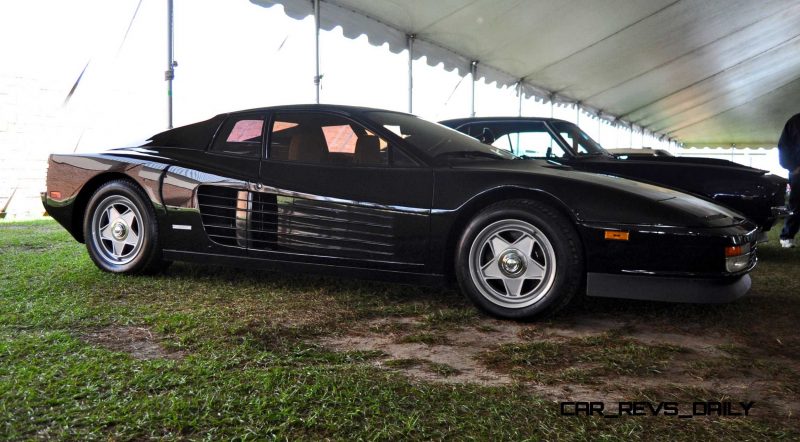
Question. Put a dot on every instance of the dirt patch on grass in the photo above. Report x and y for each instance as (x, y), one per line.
(586, 358)
(415, 359)
(139, 342)
(28, 248)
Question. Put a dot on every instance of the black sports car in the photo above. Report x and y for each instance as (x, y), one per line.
(757, 194)
(381, 194)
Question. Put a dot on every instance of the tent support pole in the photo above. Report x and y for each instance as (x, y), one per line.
(473, 70)
(410, 45)
(599, 125)
(169, 75)
(519, 93)
(578, 114)
(316, 47)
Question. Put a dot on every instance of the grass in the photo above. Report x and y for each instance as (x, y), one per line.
(404, 363)
(426, 338)
(251, 367)
(439, 368)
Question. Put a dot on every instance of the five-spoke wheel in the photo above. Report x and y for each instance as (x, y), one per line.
(120, 230)
(513, 263)
(519, 259)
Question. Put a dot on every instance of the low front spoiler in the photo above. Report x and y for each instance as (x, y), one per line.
(667, 289)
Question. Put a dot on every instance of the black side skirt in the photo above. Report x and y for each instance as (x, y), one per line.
(301, 267)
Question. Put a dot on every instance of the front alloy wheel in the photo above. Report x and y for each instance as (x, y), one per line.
(512, 263)
(519, 259)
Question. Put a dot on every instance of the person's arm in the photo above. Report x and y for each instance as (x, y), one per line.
(793, 141)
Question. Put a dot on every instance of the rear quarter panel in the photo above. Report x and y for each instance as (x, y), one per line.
(75, 177)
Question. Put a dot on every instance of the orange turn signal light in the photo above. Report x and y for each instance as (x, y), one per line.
(616, 235)
(54, 194)
(734, 251)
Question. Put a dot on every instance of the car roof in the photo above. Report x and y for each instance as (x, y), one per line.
(312, 106)
(461, 121)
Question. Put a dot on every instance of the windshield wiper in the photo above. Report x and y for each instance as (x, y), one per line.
(595, 154)
(471, 154)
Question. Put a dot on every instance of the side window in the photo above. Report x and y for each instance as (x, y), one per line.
(318, 138)
(241, 135)
(531, 144)
(530, 139)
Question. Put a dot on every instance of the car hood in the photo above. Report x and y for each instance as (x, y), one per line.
(696, 161)
(599, 197)
(704, 176)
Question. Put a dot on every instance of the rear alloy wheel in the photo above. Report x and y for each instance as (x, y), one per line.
(519, 259)
(120, 230)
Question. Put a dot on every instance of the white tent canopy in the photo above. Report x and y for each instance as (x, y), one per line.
(704, 72)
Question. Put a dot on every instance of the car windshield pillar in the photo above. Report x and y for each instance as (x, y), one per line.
(577, 140)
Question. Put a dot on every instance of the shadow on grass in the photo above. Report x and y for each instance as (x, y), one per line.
(768, 306)
(356, 289)
(772, 257)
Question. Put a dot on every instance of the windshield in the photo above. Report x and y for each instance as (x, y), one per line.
(435, 140)
(580, 143)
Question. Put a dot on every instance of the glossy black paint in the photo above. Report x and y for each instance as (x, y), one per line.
(387, 222)
(750, 191)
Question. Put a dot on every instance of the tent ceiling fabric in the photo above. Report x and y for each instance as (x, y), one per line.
(705, 72)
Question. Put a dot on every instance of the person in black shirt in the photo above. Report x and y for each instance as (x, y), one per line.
(789, 155)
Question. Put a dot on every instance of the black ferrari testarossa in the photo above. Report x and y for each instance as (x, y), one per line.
(380, 194)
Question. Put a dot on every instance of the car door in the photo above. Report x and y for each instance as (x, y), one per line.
(233, 153)
(333, 192)
(214, 183)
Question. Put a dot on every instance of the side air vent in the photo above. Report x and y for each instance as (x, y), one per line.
(224, 214)
(265, 221)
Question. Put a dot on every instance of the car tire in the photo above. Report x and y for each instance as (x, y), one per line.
(120, 230)
(519, 259)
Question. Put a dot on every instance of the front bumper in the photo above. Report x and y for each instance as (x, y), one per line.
(667, 289)
(666, 251)
(780, 211)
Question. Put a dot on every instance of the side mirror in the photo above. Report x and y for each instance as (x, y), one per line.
(487, 137)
